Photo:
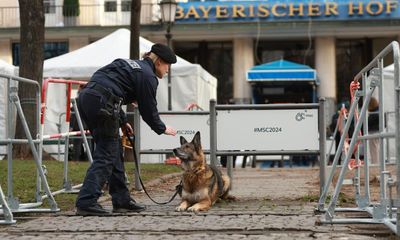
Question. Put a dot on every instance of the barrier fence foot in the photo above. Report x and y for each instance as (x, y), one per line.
(11, 221)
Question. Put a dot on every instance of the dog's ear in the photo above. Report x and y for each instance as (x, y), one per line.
(196, 141)
(183, 140)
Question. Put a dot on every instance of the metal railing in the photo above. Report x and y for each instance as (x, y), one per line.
(13, 204)
(387, 210)
(219, 137)
(88, 15)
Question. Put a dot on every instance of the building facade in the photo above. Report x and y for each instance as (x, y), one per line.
(337, 38)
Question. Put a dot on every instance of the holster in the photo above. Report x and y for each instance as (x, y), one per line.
(109, 113)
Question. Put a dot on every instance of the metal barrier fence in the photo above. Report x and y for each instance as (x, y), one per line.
(12, 204)
(372, 77)
(67, 186)
(232, 130)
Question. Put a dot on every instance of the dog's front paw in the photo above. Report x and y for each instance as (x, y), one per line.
(193, 209)
(180, 209)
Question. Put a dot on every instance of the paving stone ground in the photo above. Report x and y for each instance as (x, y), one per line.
(272, 204)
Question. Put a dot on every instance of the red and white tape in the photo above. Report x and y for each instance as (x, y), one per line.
(60, 135)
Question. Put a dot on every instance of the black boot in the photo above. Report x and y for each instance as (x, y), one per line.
(130, 206)
(95, 210)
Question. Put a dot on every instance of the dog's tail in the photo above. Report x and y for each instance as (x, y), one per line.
(227, 186)
(229, 197)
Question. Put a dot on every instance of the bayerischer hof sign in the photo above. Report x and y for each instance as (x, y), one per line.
(278, 10)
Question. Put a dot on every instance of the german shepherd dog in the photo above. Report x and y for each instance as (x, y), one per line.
(203, 184)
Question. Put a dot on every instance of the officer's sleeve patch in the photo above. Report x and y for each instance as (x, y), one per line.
(132, 63)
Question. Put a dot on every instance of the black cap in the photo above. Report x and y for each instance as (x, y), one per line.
(164, 52)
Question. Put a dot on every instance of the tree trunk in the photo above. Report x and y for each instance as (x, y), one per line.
(134, 54)
(31, 67)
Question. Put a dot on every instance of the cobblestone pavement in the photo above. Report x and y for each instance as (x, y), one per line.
(271, 205)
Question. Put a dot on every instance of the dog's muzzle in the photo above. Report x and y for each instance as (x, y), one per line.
(180, 154)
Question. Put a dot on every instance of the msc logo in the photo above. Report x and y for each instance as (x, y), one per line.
(300, 116)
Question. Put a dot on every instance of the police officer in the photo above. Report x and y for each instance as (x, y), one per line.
(122, 82)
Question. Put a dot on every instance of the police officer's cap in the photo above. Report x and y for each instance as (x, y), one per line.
(164, 52)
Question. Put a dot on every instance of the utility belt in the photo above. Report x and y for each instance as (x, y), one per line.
(113, 102)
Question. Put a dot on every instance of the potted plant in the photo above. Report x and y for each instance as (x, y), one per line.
(70, 12)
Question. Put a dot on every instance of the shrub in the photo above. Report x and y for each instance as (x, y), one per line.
(71, 8)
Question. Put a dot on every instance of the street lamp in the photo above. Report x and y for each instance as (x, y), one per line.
(168, 10)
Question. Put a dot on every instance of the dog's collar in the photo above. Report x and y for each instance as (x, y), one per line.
(195, 170)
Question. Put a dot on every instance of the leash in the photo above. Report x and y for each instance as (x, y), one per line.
(178, 188)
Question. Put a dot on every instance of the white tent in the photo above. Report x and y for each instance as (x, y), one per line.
(190, 83)
(8, 69)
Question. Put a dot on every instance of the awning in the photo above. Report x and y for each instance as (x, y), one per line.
(281, 70)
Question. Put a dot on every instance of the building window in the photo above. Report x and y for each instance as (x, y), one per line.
(110, 6)
(54, 49)
(51, 49)
(15, 53)
(126, 5)
(49, 6)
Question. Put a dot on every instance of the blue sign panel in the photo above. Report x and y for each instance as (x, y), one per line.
(285, 10)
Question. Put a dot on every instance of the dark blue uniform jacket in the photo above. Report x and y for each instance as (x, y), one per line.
(133, 80)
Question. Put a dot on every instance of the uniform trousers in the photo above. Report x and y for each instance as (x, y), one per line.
(107, 157)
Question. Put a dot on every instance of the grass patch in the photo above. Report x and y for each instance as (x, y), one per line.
(24, 178)
(343, 199)
(310, 198)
